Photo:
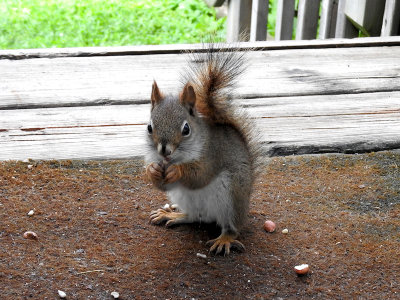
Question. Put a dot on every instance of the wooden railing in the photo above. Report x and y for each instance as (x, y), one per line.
(333, 18)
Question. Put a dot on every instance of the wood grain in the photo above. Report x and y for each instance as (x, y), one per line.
(307, 100)
(77, 81)
(287, 125)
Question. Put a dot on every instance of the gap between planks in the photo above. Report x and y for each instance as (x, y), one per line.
(18, 54)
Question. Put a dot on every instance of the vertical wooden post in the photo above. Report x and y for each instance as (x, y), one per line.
(327, 24)
(259, 20)
(344, 28)
(239, 17)
(307, 19)
(366, 15)
(391, 18)
(284, 20)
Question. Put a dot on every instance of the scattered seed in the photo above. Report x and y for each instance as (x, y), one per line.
(201, 255)
(62, 294)
(174, 206)
(269, 226)
(285, 231)
(31, 212)
(302, 269)
(115, 295)
(30, 166)
(166, 206)
(30, 235)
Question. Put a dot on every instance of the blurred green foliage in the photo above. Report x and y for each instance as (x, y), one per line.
(78, 23)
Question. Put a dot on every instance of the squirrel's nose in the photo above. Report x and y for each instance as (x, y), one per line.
(164, 150)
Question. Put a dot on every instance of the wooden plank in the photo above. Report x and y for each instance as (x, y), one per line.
(328, 19)
(27, 120)
(284, 20)
(307, 19)
(391, 18)
(259, 20)
(290, 125)
(77, 81)
(344, 28)
(239, 19)
(180, 48)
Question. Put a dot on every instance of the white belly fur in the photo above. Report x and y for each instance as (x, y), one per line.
(212, 203)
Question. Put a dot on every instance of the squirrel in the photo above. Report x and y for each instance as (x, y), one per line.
(202, 149)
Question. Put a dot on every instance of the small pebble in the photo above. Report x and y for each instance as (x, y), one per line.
(31, 212)
(285, 231)
(30, 166)
(201, 255)
(115, 295)
(30, 235)
(62, 294)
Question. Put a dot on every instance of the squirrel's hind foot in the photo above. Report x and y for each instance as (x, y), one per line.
(225, 241)
(167, 215)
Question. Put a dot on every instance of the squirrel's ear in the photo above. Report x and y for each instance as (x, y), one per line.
(188, 96)
(156, 95)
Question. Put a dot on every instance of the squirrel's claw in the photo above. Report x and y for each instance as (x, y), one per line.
(158, 216)
(172, 174)
(224, 241)
(170, 217)
(155, 172)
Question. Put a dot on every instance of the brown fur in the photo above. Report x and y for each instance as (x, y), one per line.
(213, 75)
(222, 145)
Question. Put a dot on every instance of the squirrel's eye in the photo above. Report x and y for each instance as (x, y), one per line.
(186, 129)
(150, 129)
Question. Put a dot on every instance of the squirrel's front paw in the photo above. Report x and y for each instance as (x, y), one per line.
(154, 172)
(172, 174)
(167, 215)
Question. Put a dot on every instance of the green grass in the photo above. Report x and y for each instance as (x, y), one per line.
(78, 23)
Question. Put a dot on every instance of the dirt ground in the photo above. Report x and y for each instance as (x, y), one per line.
(94, 236)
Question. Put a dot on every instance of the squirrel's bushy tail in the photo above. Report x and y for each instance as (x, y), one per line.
(213, 73)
